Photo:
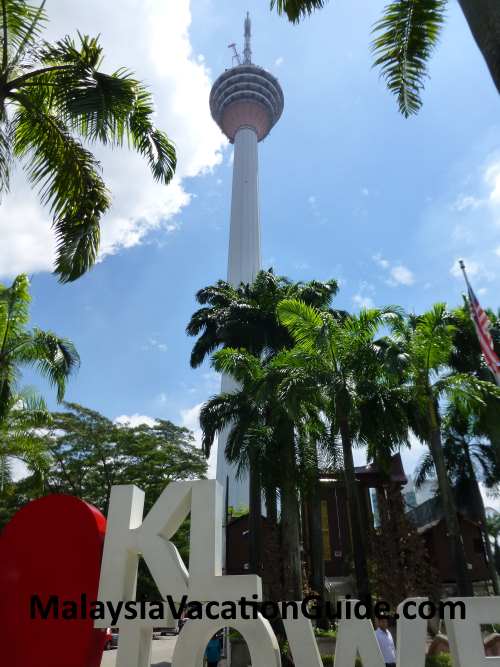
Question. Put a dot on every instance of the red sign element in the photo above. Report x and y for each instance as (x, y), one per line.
(52, 547)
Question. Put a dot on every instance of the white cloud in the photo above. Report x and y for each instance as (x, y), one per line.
(162, 398)
(135, 420)
(301, 265)
(191, 419)
(378, 259)
(362, 301)
(152, 39)
(365, 192)
(399, 273)
(402, 275)
(465, 202)
(492, 179)
(279, 61)
(155, 344)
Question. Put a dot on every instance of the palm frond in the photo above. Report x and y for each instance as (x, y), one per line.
(465, 391)
(406, 37)
(55, 358)
(69, 181)
(20, 23)
(304, 322)
(109, 108)
(31, 33)
(239, 364)
(425, 470)
(295, 10)
(151, 143)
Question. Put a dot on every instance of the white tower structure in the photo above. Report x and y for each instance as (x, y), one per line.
(245, 102)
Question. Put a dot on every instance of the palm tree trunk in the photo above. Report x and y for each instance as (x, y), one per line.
(255, 519)
(481, 515)
(358, 543)
(315, 531)
(457, 551)
(487, 545)
(271, 504)
(290, 541)
(290, 522)
(483, 18)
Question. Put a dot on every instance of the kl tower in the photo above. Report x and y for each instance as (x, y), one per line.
(246, 102)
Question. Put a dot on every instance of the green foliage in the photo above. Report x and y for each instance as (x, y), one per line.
(330, 634)
(245, 317)
(329, 660)
(53, 357)
(87, 454)
(297, 9)
(90, 454)
(53, 96)
(439, 660)
(406, 36)
(341, 356)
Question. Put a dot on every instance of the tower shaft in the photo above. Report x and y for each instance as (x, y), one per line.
(244, 234)
(243, 266)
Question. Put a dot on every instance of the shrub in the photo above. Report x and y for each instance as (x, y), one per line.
(331, 633)
(438, 660)
(328, 660)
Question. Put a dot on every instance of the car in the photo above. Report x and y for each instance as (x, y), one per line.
(108, 643)
(111, 640)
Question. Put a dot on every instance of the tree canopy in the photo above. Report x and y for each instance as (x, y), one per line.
(54, 99)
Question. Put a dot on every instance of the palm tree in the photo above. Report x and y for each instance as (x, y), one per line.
(406, 36)
(264, 433)
(20, 439)
(425, 345)
(53, 357)
(51, 95)
(467, 357)
(468, 457)
(361, 401)
(245, 317)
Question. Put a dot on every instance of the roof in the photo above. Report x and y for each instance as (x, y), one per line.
(372, 474)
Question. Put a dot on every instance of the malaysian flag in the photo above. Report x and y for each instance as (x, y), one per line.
(482, 325)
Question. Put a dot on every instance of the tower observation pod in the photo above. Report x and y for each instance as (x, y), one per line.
(246, 102)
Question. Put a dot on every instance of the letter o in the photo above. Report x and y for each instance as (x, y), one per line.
(258, 634)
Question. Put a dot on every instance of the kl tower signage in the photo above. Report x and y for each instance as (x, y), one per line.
(71, 588)
(246, 102)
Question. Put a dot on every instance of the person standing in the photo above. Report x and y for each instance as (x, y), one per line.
(386, 642)
(212, 652)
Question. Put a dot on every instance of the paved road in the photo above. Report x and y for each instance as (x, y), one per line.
(162, 653)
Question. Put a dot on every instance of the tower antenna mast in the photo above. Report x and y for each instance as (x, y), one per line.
(247, 51)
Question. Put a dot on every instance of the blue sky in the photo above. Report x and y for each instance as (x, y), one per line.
(349, 190)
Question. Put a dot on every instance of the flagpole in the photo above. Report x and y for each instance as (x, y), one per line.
(469, 289)
(462, 266)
